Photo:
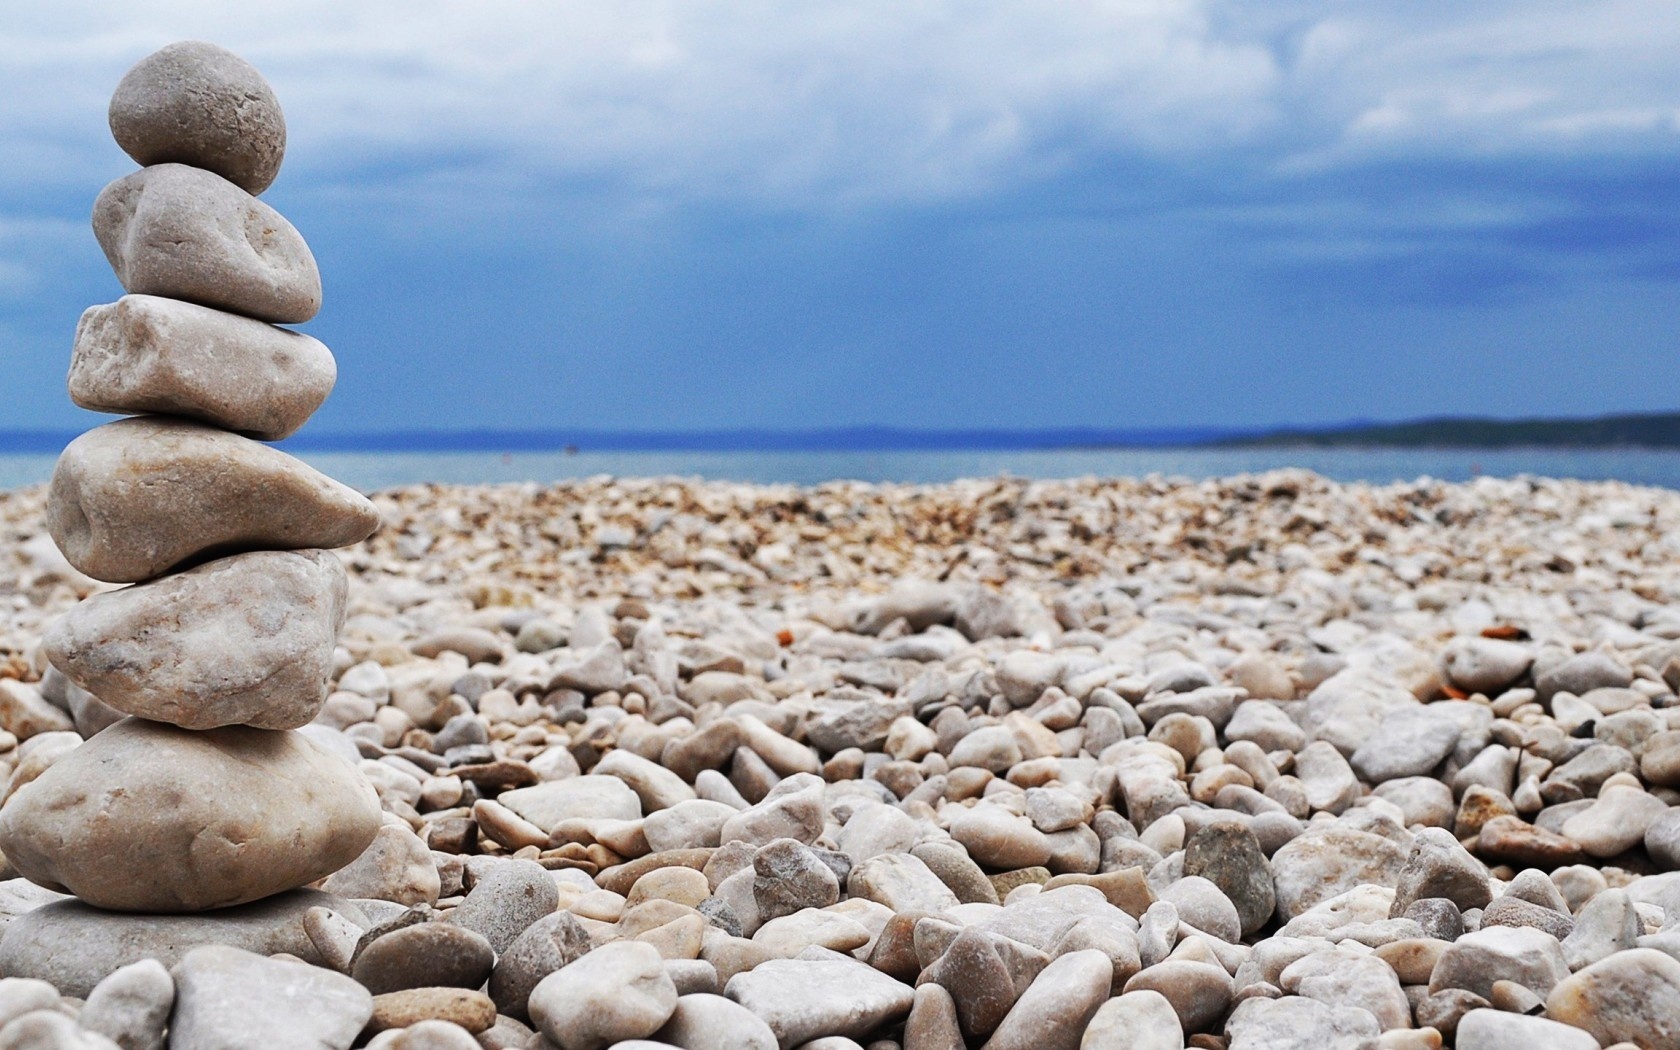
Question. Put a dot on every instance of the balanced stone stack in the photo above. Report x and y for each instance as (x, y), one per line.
(205, 795)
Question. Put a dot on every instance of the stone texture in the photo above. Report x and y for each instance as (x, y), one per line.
(199, 104)
(135, 498)
(428, 954)
(396, 866)
(131, 1006)
(73, 946)
(802, 999)
(1632, 996)
(1521, 954)
(711, 1022)
(146, 354)
(618, 991)
(224, 995)
(1054, 1010)
(250, 813)
(1141, 1020)
(544, 947)
(185, 233)
(1486, 1029)
(1228, 855)
(1297, 1023)
(244, 640)
(506, 902)
(1322, 864)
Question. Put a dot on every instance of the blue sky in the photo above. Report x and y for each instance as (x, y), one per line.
(696, 214)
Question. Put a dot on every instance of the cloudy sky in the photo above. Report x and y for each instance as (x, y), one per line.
(757, 213)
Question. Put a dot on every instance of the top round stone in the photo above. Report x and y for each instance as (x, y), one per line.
(199, 104)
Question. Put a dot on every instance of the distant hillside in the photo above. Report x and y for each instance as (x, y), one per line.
(1653, 430)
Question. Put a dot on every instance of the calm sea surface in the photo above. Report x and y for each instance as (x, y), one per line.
(383, 470)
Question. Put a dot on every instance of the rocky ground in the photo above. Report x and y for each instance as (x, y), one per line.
(1262, 763)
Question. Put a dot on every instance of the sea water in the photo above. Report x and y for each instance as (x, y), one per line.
(372, 471)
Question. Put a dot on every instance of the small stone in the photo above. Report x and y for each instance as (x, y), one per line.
(1632, 996)
(590, 797)
(1615, 822)
(1486, 1029)
(1053, 1012)
(468, 1009)
(711, 1022)
(133, 499)
(546, 945)
(506, 902)
(1581, 674)
(184, 233)
(820, 994)
(902, 882)
(1510, 840)
(90, 823)
(396, 866)
(1522, 954)
(932, 1024)
(429, 954)
(1662, 840)
(74, 946)
(618, 991)
(224, 994)
(433, 1034)
(951, 864)
(1201, 904)
(1228, 855)
(1485, 665)
(996, 838)
(1322, 864)
(1438, 866)
(24, 714)
(50, 1030)
(1514, 911)
(657, 787)
(144, 354)
(131, 1006)
(1298, 1023)
(1140, 1020)
(792, 809)
(1342, 980)
(333, 936)
(1200, 992)
(985, 973)
(789, 877)
(1438, 917)
(1410, 742)
(199, 104)
(245, 640)
(1329, 780)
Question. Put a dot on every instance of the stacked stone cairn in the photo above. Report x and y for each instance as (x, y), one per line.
(197, 790)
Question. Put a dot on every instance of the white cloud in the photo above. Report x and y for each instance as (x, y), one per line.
(818, 103)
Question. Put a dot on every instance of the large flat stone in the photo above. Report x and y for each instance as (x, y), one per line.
(144, 353)
(136, 498)
(149, 817)
(74, 946)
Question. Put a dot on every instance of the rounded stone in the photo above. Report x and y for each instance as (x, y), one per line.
(429, 954)
(136, 498)
(199, 104)
(150, 817)
(144, 353)
(618, 991)
(184, 233)
(244, 640)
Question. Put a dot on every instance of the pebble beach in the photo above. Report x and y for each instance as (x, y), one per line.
(1261, 762)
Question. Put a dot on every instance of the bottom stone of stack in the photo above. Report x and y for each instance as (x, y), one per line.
(74, 946)
(148, 817)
